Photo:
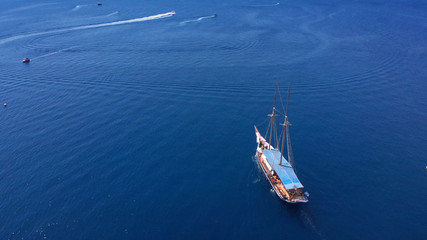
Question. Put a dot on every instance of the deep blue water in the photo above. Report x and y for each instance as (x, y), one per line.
(145, 130)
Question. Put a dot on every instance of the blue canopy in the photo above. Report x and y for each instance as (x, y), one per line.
(285, 171)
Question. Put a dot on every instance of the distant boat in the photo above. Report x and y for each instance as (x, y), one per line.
(278, 171)
(26, 60)
(215, 15)
(99, 3)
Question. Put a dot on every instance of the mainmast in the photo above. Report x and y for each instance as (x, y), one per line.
(285, 125)
(273, 115)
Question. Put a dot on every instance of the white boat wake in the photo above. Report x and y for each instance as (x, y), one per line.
(135, 20)
(79, 6)
(266, 5)
(19, 9)
(52, 53)
(195, 20)
(111, 14)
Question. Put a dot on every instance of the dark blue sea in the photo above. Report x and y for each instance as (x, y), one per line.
(143, 129)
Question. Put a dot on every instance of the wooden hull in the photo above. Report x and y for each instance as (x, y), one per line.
(269, 177)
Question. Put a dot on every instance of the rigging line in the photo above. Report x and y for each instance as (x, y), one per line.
(277, 138)
(281, 101)
(272, 137)
(269, 123)
(285, 126)
(273, 113)
(283, 141)
(290, 153)
(281, 133)
(280, 113)
(260, 124)
(287, 102)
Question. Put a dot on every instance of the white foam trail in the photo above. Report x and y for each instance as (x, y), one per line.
(52, 53)
(111, 14)
(135, 20)
(266, 5)
(143, 19)
(195, 20)
(28, 7)
(256, 180)
(79, 6)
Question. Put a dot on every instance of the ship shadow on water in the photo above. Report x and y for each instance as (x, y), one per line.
(302, 212)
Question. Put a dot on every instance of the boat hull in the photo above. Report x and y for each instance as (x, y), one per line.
(263, 168)
(275, 182)
(276, 189)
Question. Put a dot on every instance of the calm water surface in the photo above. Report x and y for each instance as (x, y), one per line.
(144, 130)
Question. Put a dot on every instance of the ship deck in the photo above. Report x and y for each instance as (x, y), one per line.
(285, 171)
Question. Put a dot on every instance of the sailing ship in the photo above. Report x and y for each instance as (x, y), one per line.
(279, 171)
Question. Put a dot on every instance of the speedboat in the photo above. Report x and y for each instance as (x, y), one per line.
(215, 15)
(26, 60)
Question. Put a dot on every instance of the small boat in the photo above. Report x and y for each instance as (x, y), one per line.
(278, 171)
(99, 3)
(215, 15)
(172, 13)
(26, 60)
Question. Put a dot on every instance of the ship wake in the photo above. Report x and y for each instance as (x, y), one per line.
(53, 53)
(135, 20)
(79, 7)
(265, 5)
(112, 14)
(195, 20)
